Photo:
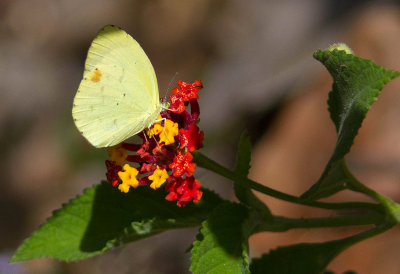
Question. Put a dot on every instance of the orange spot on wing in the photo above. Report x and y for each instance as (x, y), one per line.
(96, 75)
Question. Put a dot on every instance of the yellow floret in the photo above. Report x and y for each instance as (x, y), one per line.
(166, 132)
(158, 177)
(124, 188)
(154, 130)
(167, 135)
(128, 178)
(117, 154)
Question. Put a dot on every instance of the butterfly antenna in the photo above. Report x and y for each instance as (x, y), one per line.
(170, 86)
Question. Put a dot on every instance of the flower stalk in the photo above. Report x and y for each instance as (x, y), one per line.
(205, 162)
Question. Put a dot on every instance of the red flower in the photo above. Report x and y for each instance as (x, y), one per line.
(188, 91)
(182, 163)
(177, 103)
(112, 172)
(184, 190)
(172, 159)
(191, 138)
(182, 95)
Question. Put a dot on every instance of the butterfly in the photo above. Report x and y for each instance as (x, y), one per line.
(118, 95)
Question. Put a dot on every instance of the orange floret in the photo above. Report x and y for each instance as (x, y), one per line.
(167, 135)
(128, 178)
(166, 131)
(117, 154)
(158, 177)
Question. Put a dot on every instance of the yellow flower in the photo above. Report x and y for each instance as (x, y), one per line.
(158, 177)
(124, 188)
(167, 135)
(166, 132)
(118, 154)
(128, 178)
(154, 130)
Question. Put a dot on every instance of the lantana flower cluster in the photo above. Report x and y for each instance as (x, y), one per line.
(164, 155)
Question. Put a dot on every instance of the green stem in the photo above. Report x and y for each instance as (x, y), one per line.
(366, 234)
(281, 224)
(205, 162)
(392, 208)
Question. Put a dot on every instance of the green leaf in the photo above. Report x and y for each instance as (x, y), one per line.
(356, 85)
(332, 180)
(307, 258)
(103, 218)
(242, 190)
(243, 157)
(302, 258)
(221, 246)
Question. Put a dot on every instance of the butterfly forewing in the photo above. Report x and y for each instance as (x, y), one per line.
(118, 95)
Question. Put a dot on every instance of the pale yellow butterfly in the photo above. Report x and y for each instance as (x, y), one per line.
(118, 95)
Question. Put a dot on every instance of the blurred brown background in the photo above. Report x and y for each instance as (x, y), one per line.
(255, 60)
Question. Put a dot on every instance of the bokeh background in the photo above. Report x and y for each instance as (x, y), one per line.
(255, 60)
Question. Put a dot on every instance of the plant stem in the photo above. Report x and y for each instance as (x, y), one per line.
(281, 224)
(392, 208)
(205, 162)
